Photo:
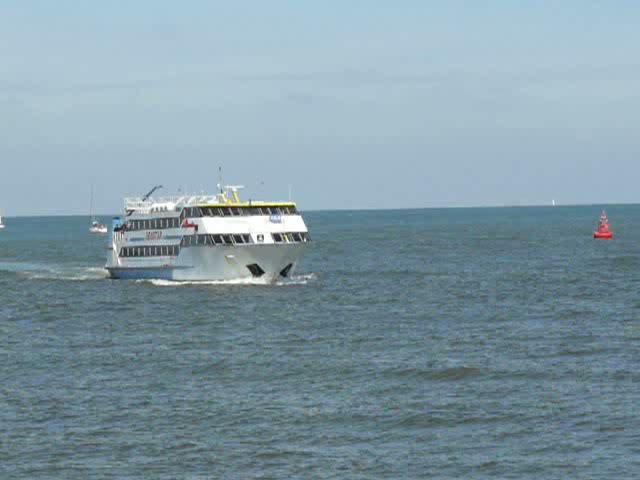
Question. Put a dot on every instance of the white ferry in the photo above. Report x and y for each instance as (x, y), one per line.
(206, 237)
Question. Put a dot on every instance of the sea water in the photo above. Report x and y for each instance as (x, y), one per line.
(458, 343)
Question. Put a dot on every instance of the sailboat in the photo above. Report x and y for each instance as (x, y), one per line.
(95, 227)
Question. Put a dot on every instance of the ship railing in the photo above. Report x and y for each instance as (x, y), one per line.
(142, 204)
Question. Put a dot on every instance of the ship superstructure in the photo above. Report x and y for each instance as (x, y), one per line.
(206, 237)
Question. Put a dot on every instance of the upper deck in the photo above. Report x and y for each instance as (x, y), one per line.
(206, 202)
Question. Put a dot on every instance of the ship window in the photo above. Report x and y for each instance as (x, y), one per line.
(296, 237)
(247, 238)
(205, 239)
(227, 239)
(217, 239)
(277, 237)
(238, 238)
(235, 211)
(293, 211)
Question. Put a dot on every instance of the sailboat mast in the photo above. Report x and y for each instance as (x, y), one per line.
(91, 204)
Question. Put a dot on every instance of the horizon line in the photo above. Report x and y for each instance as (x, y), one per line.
(372, 209)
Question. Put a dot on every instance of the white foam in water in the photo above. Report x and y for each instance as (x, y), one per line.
(34, 271)
(296, 280)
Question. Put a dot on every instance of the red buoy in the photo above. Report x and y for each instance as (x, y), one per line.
(603, 232)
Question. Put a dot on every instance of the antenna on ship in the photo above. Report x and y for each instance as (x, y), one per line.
(157, 187)
(220, 184)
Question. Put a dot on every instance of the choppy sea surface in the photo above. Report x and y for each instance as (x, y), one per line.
(470, 343)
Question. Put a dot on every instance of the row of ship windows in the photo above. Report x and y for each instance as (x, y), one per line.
(291, 237)
(153, 224)
(210, 240)
(160, 251)
(192, 212)
(241, 239)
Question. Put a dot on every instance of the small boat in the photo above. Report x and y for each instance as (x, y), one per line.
(603, 232)
(95, 226)
(1, 224)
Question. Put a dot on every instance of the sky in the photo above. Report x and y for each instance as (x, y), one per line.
(354, 104)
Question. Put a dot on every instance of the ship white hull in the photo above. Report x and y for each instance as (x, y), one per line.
(221, 263)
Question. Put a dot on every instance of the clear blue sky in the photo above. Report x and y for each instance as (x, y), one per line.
(358, 104)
